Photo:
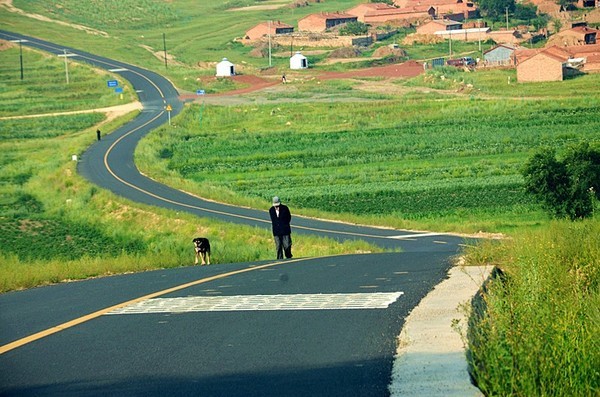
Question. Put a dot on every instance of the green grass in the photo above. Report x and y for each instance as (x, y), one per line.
(44, 88)
(536, 329)
(55, 226)
(445, 163)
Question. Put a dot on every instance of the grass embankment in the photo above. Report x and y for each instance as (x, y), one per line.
(445, 162)
(538, 334)
(55, 226)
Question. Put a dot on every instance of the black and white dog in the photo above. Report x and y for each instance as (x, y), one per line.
(202, 249)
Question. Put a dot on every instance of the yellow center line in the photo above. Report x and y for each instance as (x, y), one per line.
(96, 314)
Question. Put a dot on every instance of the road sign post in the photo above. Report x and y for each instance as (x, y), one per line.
(168, 108)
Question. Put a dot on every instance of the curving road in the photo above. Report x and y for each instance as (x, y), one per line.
(315, 329)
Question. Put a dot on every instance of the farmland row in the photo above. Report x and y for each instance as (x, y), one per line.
(373, 158)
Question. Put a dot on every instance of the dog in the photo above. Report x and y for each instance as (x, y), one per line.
(202, 250)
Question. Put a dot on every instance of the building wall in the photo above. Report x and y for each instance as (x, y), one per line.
(316, 23)
(430, 28)
(499, 56)
(540, 67)
(395, 16)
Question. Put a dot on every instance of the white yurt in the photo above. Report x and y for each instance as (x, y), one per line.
(298, 61)
(225, 68)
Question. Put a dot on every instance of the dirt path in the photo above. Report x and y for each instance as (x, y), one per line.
(112, 112)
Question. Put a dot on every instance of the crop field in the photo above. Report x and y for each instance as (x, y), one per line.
(456, 162)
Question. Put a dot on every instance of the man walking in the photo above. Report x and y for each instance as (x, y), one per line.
(280, 219)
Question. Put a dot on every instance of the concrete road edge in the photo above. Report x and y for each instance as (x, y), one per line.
(430, 359)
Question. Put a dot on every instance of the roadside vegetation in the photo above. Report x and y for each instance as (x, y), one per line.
(535, 330)
(55, 226)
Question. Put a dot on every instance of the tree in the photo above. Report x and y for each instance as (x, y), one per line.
(353, 29)
(496, 9)
(568, 188)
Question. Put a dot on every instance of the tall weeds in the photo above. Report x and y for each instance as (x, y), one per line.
(536, 329)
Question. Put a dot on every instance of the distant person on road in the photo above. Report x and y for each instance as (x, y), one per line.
(98, 134)
(283, 79)
(280, 219)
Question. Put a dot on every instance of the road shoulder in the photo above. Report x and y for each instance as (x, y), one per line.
(430, 359)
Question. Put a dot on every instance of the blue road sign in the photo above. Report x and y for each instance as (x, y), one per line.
(112, 83)
(119, 90)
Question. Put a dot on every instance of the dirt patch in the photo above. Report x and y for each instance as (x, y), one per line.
(5, 45)
(161, 55)
(406, 69)
(389, 51)
(345, 52)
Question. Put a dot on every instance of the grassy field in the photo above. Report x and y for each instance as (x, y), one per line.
(450, 162)
(83, 231)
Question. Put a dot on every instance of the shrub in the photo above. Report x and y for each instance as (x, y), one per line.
(566, 188)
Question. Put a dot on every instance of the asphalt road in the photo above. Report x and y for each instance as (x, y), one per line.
(308, 326)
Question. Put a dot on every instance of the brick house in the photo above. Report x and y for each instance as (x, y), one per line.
(458, 11)
(583, 35)
(381, 13)
(548, 64)
(265, 28)
(369, 8)
(591, 55)
(438, 25)
(587, 3)
(323, 21)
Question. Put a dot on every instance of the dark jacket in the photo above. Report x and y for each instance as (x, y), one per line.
(281, 224)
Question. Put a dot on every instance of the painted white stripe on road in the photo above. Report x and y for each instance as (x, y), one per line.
(377, 300)
(118, 70)
(411, 236)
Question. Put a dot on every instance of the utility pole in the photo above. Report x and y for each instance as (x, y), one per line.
(506, 18)
(165, 49)
(66, 65)
(270, 43)
(450, 42)
(21, 56)
(479, 27)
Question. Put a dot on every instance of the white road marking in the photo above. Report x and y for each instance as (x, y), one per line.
(118, 70)
(411, 236)
(377, 300)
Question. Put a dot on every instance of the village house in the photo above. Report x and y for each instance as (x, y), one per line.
(458, 10)
(268, 28)
(590, 54)
(381, 13)
(587, 3)
(500, 55)
(438, 25)
(506, 36)
(549, 64)
(368, 8)
(324, 21)
(580, 35)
